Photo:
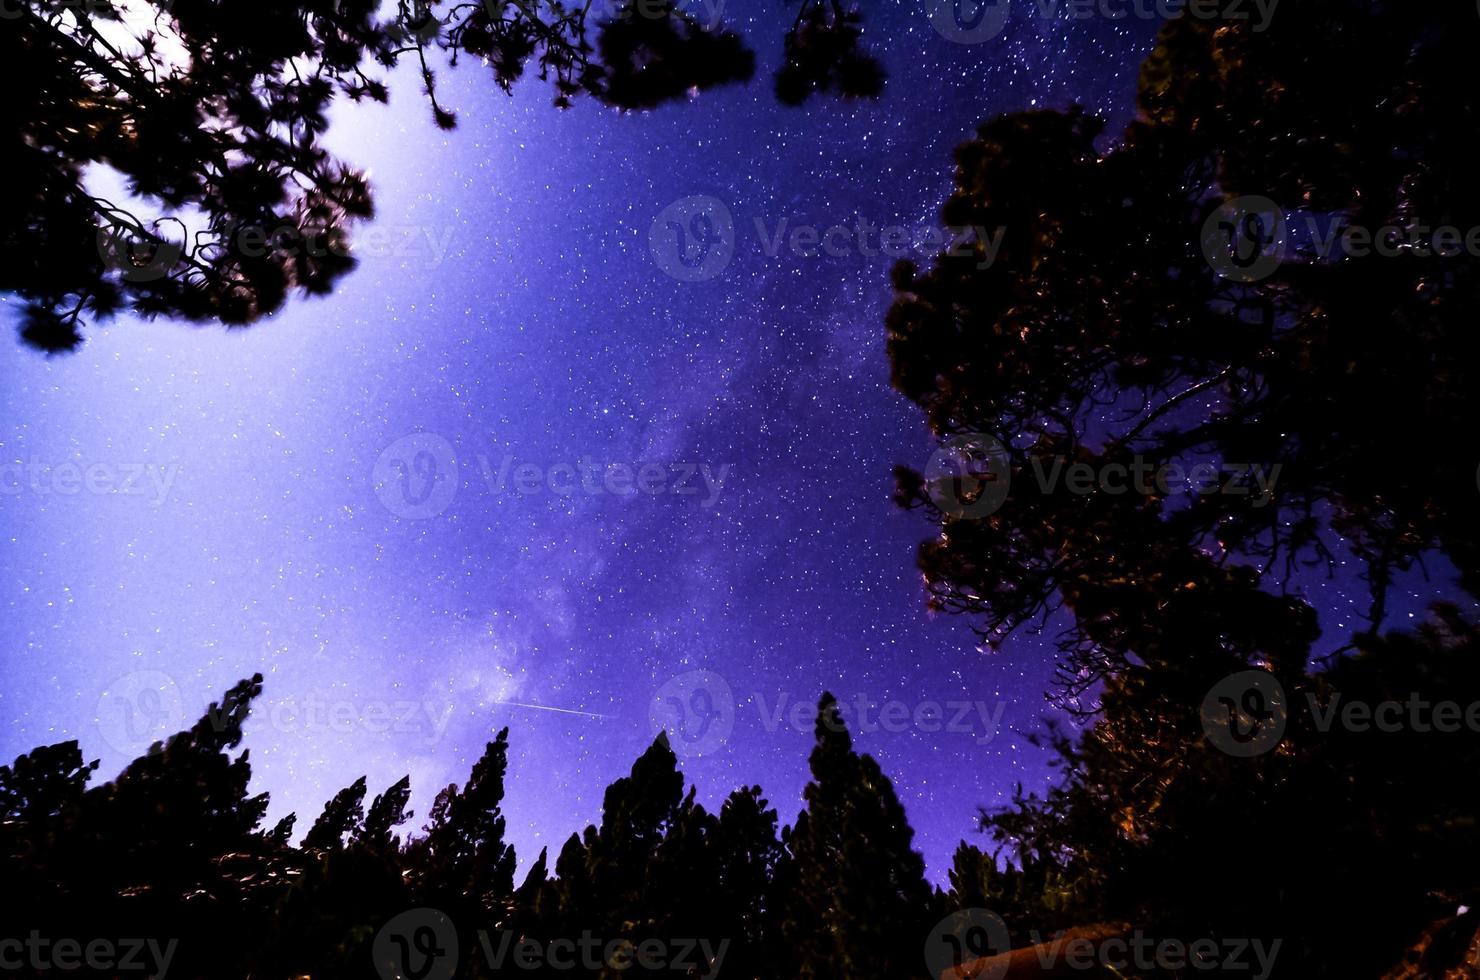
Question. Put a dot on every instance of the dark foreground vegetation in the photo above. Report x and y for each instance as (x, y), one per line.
(1336, 850)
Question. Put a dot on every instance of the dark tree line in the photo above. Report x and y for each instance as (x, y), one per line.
(212, 112)
(175, 848)
(1347, 846)
(1113, 328)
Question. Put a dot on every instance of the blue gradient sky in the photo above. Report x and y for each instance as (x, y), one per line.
(546, 334)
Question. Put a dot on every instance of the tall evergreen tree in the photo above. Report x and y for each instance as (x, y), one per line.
(747, 852)
(859, 899)
(342, 816)
(637, 812)
(464, 852)
(172, 838)
(388, 812)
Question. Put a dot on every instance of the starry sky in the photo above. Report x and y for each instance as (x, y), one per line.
(331, 497)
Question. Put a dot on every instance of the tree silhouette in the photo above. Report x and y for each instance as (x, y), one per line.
(463, 853)
(1149, 798)
(824, 53)
(857, 900)
(1364, 849)
(43, 784)
(209, 116)
(743, 901)
(170, 846)
(1124, 322)
(208, 120)
(1036, 898)
(1107, 331)
(617, 878)
(386, 813)
(342, 817)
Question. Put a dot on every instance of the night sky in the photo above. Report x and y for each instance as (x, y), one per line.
(512, 310)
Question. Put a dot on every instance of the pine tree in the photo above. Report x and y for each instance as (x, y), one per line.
(859, 899)
(386, 813)
(464, 852)
(648, 871)
(747, 851)
(173, 838)
(637, 811)
(342, 816)
(43, 783)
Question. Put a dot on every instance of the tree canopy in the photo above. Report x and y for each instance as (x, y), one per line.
(174, 846)
(209, 116)
(1269, 272)
(1109, 332)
